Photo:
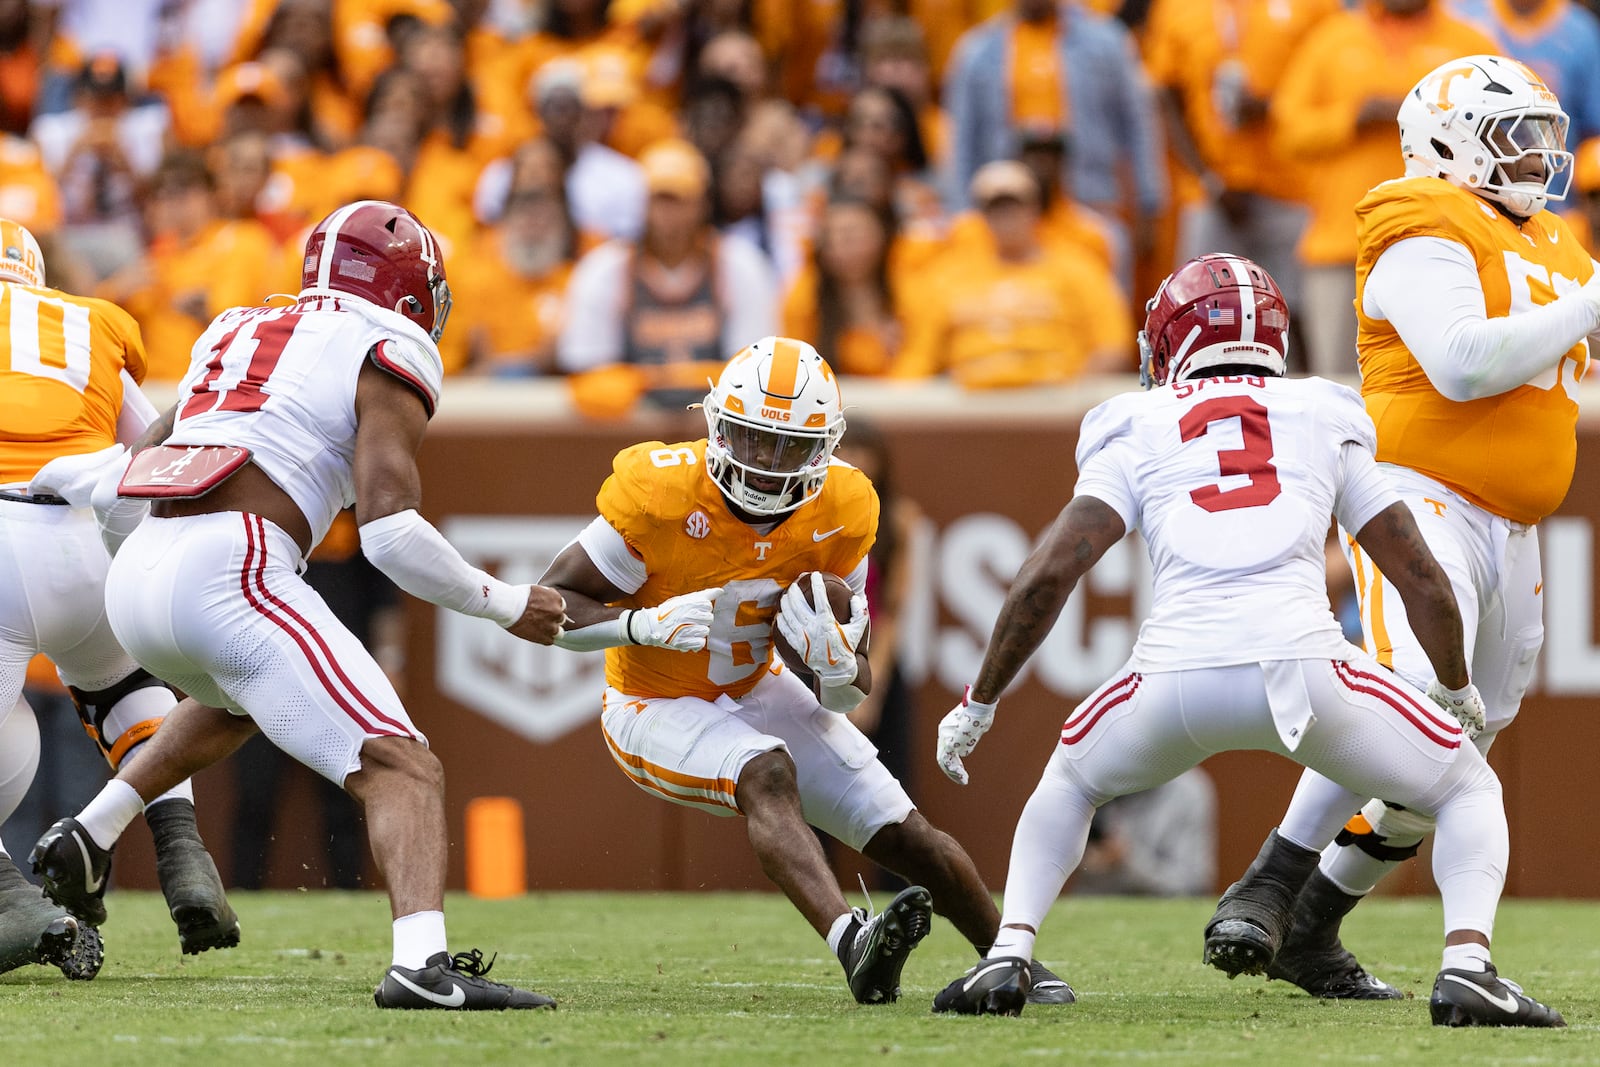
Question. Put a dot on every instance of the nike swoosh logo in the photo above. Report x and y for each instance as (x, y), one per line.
(93, 884)
(980, 972)
(1537, 587)
(1504, 1001)
(818, 535)
(457, 997)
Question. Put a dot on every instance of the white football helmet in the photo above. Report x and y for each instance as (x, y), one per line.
(1472, 119)
(20, 258)
(773, 420)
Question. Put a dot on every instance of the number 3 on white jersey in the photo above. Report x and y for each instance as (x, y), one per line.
(53, 345)
(1532, 285)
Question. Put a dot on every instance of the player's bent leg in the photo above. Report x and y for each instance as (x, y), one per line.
(872, 948)
(125, 718)
(400, 786)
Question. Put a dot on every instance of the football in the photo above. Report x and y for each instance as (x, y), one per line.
(838, 599)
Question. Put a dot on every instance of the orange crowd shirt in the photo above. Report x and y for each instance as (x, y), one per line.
(1347, 59)
(1514, 453)
(1188, 44)
(993, 324)
(60, 375)
(662, 501)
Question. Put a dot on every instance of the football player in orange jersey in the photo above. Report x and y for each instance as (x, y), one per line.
(68, 394)
(1476, 309)
(680, 579)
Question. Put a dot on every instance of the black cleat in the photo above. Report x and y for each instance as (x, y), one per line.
(1256, 912)
(34, 930)
(1048, 987)
(83, 959)
(453, 983)
(872, 961)
(992, 987)
(74, 870)
(189, 880)
(1483, 998)
(1312, 956)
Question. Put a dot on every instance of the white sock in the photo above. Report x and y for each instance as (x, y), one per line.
(1046, 848)
(1469, 957)
(1013, 942)
(836, 932)
(110, 812)
(418, 937)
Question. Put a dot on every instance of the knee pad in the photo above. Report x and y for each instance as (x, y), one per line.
(1386, 832)
(121, 716)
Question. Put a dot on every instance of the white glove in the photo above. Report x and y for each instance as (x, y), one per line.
(1465, 704)
(827, 645)
(959, 732)
(73, 478)
(682, 623)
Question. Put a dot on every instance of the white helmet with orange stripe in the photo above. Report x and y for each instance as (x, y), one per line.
(773, 420)
(20, 258)
(1486, 123)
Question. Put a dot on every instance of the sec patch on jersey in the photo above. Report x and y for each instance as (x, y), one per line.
(838, 600)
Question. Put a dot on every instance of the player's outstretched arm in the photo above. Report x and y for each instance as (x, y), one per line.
(682, 623)
(390, 422)
(1081, 534)
(1393, 542)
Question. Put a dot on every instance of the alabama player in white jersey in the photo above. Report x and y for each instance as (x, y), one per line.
(288, 414)
(1478, 311)
(1231, 472)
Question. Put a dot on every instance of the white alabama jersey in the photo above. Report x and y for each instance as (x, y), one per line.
(1232, 482)
(281, 381)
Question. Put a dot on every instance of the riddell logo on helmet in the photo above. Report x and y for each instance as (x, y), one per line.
(354, 268)
(774, 413)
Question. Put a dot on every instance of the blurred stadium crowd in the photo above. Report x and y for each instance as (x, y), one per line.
(630, 189)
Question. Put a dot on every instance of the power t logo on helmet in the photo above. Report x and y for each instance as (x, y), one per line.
(1492, 126)
(772, 422)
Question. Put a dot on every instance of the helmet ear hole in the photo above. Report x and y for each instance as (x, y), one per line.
(1442, 149)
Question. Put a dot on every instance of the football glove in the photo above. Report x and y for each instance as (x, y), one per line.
(959, 732)
(682, 624)
(73, 478)
(1464, 704)
(827, 645)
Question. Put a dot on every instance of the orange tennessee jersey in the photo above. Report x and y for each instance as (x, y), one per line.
(60, 387)
(672, 515)
(1514, 453)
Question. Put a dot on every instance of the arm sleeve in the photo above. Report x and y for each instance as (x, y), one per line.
(137, 412)
(1102, 478)
(418, 559)
(1429, 290)
(1363, 489)
(609, 552)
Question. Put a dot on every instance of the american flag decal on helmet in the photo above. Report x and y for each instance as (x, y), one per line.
(1219, 316)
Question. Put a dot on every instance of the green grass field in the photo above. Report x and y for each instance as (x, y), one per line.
(738, 979)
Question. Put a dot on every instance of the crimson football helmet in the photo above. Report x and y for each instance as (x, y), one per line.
(380, 252)
(773, 419)
(1217, 310)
